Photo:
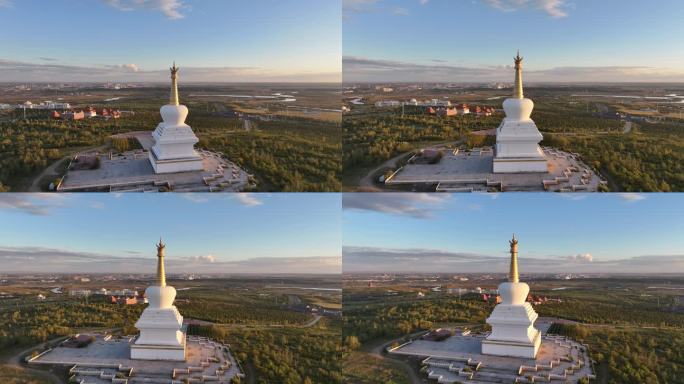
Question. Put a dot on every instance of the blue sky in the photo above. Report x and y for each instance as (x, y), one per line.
(465, 40)
(136, 40)
(470, 233)
(247, 233)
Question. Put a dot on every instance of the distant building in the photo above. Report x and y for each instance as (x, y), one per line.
(80, 292)
(72, 115)
(387, 103)
(90, 112)
(44, 105)
(463, 109)
(447, 111)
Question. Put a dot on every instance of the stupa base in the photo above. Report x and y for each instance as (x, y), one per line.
(520, 165)
(176, 165)
(511, 348)
(157, 352)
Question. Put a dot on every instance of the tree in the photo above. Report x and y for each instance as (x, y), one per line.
(352, 342)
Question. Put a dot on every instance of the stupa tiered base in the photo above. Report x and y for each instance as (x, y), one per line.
(517, 140)
(512, 348)
(176, 165)
(520, 165)
(158, 352)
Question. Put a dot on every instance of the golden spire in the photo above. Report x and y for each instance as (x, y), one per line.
(518, 88)
(513, 276)
(174, 100)
(161, 274)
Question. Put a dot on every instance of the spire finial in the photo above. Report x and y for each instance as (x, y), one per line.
(513, 276)
(518, 88)
(174, 100)
(161, 273)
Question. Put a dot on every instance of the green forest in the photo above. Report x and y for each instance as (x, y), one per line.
(631, 356)
(371, 138)
(296, 154)
(649, 158)
(632, 337)
(33, 324)
(285, 355)
(372, 320)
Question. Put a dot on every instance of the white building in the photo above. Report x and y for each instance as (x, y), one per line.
(387, 103)
(44, 105)
(173, 150)
(517, 138)
(512, 321)
(160, 324)
(80, 292)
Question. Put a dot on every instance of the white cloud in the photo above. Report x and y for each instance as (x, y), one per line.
(417, 205)
(401, 11)
(554, 8)
(632, 197)
(248, 199)
(581, 257)
(126, 67)
(170, 8)
(196, 197)
(204, 259)
(54, 260)
(388, 260)
(11, 71)
(361, 69)
(32, 204)
(6, 3)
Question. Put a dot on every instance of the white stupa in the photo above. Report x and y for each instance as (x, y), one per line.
(517, 138)
(160, 324)
(174, 141)
(512, 321)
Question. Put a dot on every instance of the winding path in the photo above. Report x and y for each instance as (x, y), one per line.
(15, 362)
(368, 183)
(51, 169)
(376, 349)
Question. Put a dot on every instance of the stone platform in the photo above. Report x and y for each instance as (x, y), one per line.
(470, 171)
(132, 171)
(102, 360)
(459, 359)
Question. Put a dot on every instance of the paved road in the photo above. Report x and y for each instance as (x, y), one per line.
(51, 169)
(376, 349)
(16, 362)
(368, 182)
